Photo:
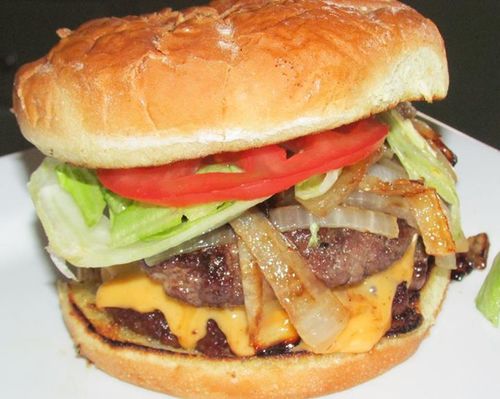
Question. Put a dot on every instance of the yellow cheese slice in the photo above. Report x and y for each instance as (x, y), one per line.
(370, 305)
(136, 291)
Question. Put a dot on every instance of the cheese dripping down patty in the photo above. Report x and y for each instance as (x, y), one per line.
(368, 303)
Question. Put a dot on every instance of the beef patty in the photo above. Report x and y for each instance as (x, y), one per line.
(211, 276)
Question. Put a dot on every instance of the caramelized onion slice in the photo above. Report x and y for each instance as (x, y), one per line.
(391, 204)
(317, 315)
(253, 288)
(427, 209)
(401, 187)
(268, 323)
(295, 217)
(432, 223)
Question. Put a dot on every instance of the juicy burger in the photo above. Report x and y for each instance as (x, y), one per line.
(240, 196)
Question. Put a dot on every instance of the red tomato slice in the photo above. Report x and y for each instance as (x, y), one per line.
(266, 170)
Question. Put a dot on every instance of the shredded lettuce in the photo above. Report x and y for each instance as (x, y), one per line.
(141, 221)
(488, 298)
(199, 211)
(116, 204)
(314, 240)
(131, 221)
(84, 188)
(219, 168)
(72, 239)
(420, 161)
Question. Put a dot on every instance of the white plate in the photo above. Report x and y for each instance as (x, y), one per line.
(460, 358)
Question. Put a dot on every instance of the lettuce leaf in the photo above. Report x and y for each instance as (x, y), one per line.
(488, 298)
(420, 161)
(314, 240)
(85, 189)
(92, 246)
(219, 168)
(116, 204)
(418, 157)
(141, 221)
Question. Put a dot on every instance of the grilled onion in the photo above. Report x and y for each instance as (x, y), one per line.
(295, 217)
(393, 205)
(317, 315)
(434, 139)
(346, 183)
(432, 223)
(426, 207)
(253, 289)
(388, 170)
(446, 261)
(267, 321)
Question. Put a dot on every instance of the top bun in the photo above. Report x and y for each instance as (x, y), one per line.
(153, 89)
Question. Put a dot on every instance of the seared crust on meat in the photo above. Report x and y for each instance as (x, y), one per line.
(153, 89)
(298, 375)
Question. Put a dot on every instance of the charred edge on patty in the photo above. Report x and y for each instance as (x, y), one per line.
(280, 350)
(475, 258)
(406, 316)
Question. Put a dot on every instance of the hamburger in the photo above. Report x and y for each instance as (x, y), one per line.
(240, 196)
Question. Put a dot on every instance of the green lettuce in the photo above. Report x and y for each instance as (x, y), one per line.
(199, 211)
(314, 240)
(116, 204)
(141, 221)
(85, 189)
(107, 242)
(219, 168)
(420, 161)
(488, 298)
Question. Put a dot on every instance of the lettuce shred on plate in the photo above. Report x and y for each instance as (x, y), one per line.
(488, 298)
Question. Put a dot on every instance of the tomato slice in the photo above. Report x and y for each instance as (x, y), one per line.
(266, 170)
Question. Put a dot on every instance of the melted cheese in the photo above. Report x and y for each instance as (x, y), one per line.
(274, 327)
(136, 291)
(369, 305)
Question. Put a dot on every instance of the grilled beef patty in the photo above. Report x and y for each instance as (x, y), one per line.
(211, 276)
(347, 256)
(154, 325)
(207, 277)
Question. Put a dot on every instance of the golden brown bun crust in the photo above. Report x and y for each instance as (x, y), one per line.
(152, 89)
(293, 376)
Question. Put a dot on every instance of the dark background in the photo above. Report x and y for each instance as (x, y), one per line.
(471, 29)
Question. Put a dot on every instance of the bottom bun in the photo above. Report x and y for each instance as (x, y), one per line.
(296, 375)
